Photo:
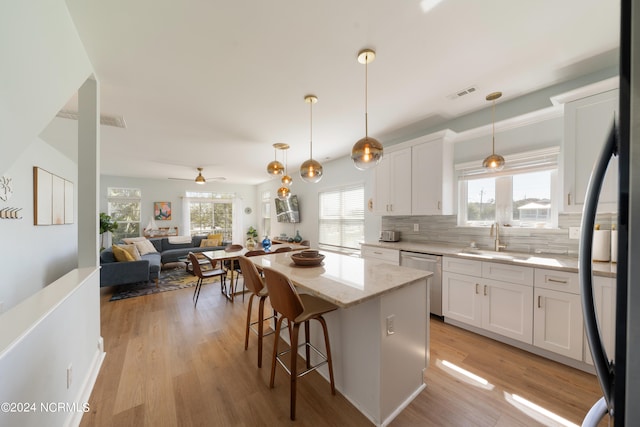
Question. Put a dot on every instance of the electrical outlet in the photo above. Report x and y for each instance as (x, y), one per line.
(416, 227)
(69, 376)
(391, 329)
(574, 232)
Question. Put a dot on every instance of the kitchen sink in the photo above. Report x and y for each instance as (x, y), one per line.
(479, 253)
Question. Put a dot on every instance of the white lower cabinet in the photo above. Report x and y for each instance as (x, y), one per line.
(558, 322)
(390, 256)
(501, 307)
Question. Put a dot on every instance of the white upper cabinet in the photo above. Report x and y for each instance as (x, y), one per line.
(416, 177)
(393, 184)
(432, 178)
(587, 123)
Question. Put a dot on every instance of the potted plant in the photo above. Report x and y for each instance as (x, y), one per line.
(107, 225)
(252, 233)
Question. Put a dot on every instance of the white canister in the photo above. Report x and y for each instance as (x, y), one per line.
(601, 245)
(614, 245)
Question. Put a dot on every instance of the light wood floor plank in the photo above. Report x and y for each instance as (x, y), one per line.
(170, 364)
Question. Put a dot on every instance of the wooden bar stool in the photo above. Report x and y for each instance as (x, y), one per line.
(253, 282)
(297, 309)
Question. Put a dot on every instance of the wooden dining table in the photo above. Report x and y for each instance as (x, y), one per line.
(232, 255)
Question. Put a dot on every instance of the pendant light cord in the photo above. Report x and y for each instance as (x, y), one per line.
(493, 128)
(366, 102)
(311, 130)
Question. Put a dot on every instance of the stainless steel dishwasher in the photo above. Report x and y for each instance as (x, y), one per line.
(427, 262)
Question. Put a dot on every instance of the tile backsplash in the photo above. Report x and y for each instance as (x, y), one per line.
(445, 229)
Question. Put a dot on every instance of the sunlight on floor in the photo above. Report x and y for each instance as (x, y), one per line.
(537, 412)
(463, 375)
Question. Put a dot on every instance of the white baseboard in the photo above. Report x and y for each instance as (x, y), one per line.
(87, 386)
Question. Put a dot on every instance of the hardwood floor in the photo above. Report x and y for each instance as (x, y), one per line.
(170, 364)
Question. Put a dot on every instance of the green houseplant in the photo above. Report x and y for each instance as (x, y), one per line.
(252, 233)
(107, 225)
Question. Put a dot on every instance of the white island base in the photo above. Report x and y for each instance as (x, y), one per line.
(379, 373)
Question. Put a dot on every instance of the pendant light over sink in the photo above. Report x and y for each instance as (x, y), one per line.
(494, 162)
(367, 152)
(311, 170)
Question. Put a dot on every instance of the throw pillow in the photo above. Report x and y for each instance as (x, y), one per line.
(132, 250)
(131, 240)
(145, 247)
(120, 254)
(208, 243)
(216, 238)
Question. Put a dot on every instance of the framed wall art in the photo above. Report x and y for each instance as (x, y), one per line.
(162, 210)
(52, 199)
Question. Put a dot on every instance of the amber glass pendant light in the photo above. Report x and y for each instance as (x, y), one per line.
(367, 152)
(286, 180)
(494, 162)
(311, 170)
(276, 168)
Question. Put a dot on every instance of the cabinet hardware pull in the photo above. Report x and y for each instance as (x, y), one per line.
(539, 301)
(556, 281)
(568, 198)
(476, 289)
(377, 253)
(439, 205)
(485, 290)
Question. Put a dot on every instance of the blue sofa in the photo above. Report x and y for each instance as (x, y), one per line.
(113, 272)
(171, 252)
(148, 268)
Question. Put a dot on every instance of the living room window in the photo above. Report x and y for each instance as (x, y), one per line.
(521, 195)
(123, 204)
(211, 213)
(341, 217)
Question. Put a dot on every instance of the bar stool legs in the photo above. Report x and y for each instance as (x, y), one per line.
(294, 331)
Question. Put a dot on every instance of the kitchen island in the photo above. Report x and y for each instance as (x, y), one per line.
(380, 334)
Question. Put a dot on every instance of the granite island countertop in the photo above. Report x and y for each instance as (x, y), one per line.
(549, 261)
(342, 279)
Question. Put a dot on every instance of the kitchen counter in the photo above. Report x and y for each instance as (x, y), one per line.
(380, 334)
(341, 279)
(553, 262)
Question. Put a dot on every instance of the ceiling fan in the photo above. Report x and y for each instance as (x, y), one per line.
(201, 179)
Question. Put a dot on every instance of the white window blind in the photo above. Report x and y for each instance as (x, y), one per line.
(341, 217)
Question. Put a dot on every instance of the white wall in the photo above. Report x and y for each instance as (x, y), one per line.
(49, 323)
(31, 256)
(167, 190)
(337, 173)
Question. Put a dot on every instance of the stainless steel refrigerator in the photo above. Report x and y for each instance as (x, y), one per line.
(619, 374)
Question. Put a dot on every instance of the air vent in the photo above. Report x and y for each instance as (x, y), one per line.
(462, 93)
(115, 121)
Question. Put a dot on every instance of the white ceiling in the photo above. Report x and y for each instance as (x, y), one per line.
(215, 83)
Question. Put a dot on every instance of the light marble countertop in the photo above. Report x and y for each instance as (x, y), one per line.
(554, 262)
(342, 279)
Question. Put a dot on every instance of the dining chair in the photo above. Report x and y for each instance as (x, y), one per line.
(297, 309)
(255, 284)
(283, 249)
(201, 275)
(305, 243)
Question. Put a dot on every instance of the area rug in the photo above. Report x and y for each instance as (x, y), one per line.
(170, 280)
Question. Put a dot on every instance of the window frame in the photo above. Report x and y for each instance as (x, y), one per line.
(341, 221)
(116, 234)
(213, 200)
(527, 162)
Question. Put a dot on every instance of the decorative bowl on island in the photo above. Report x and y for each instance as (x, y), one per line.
(307, 258)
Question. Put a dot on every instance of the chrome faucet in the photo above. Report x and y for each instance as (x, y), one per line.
(496, 244)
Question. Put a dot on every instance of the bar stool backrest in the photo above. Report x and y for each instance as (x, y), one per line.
(252, 279)
(282, 294)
